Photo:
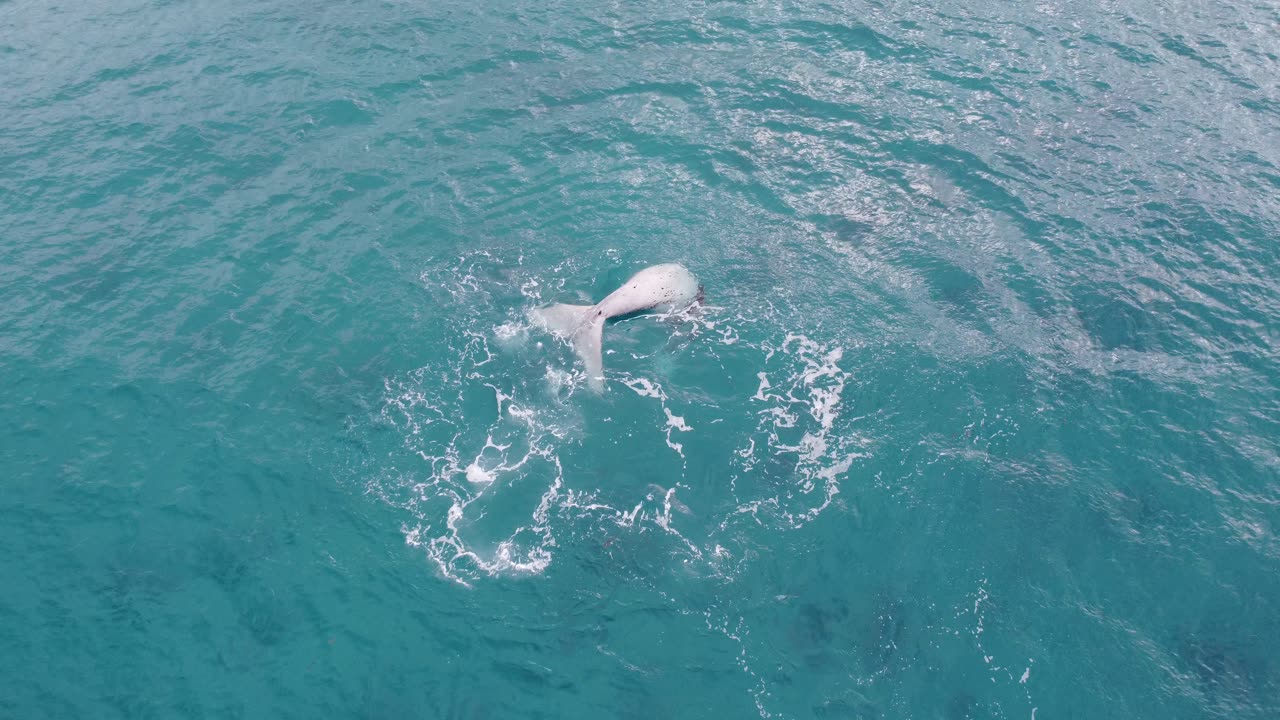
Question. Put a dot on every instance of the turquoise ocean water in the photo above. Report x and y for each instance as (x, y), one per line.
(981, 418)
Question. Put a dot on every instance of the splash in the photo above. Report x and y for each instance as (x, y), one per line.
(465, 476)
(497, 474)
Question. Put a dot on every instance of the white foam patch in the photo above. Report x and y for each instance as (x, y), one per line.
(675, 423)
(645, 388)
(511, 333)
(517, 448)
(802, 401)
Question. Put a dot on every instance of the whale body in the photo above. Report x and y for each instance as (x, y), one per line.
(660, 287)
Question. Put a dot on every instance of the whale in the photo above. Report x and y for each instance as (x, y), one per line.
(665, 288)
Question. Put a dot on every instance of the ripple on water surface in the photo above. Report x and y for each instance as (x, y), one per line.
(979, 419)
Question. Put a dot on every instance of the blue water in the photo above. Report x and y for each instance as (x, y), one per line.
(980, 418)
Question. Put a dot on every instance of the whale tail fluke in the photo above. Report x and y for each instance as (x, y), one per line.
(586, 342)
(561, 320)
(583, 329)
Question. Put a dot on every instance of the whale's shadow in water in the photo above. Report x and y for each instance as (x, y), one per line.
(834, 634)
(1235, 679)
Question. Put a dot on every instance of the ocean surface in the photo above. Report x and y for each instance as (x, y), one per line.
(980, 417)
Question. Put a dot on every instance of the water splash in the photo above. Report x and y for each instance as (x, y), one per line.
(492, 491)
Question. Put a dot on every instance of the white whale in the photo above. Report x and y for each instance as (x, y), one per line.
(660, 287)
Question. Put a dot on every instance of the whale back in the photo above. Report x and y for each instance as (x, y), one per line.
(665, 287)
